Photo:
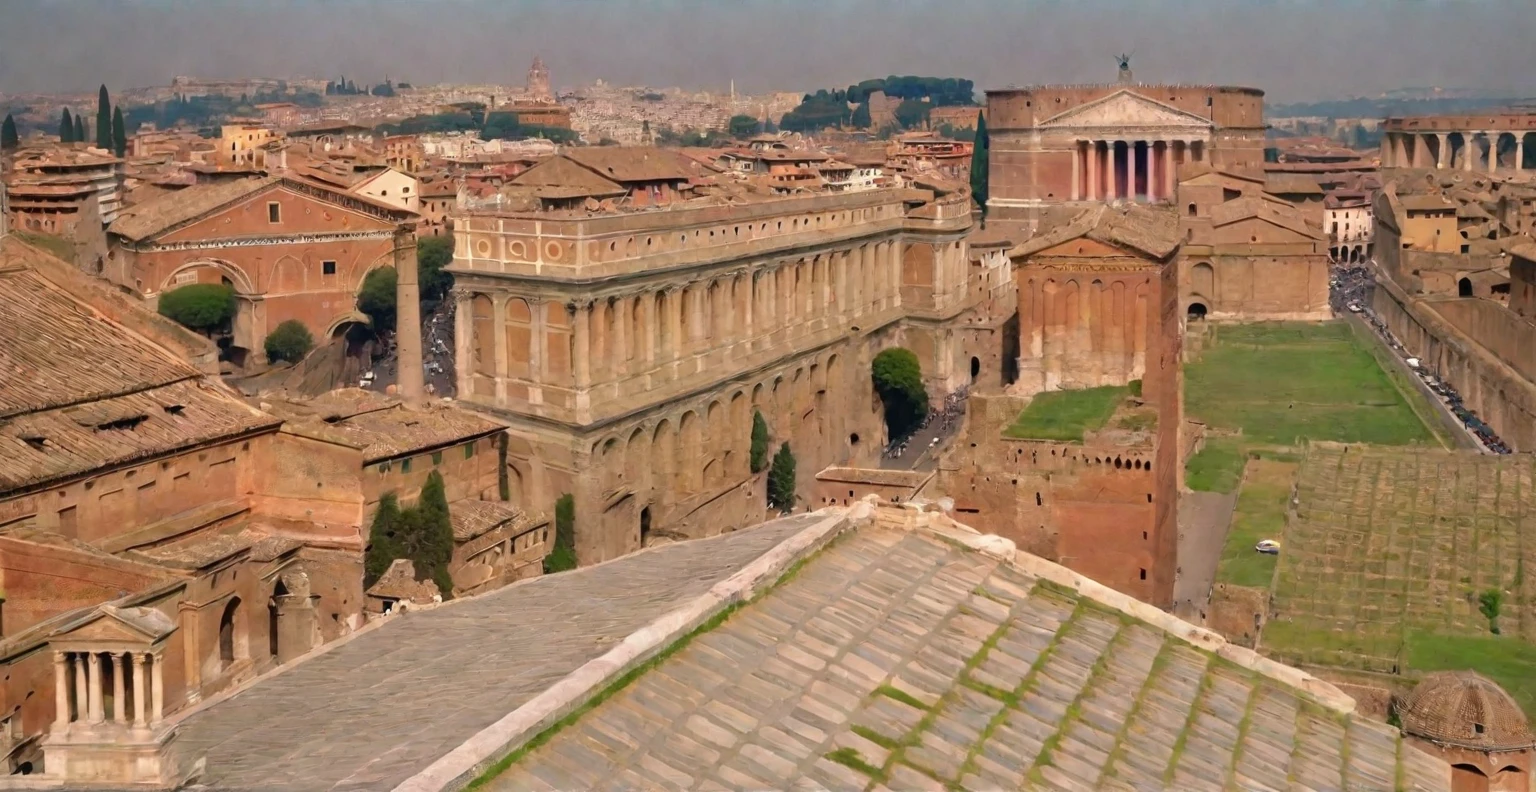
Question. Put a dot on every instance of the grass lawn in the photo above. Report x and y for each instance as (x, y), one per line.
(1218, 466)
(58, 246)
(1260, 514)
(1510, 662)
(1066, 415)
(1280, 382)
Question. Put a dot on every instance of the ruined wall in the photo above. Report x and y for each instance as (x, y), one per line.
(1493, 387)
(43, 580)
(469, 470)
(312, 480)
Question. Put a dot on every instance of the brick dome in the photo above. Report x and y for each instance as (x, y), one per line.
(1465, 709)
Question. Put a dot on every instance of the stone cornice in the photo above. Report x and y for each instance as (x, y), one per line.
(258, 241)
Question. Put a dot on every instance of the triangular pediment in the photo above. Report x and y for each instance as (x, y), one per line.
(1125, 108)
(112, 625)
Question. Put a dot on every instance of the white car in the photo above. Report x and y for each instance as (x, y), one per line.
(1354, 307)
(1268, 547)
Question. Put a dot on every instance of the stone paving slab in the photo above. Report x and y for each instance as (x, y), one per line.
(373, 711)
(900, 661)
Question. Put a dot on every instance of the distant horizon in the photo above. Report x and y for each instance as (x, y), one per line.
(1297, 51)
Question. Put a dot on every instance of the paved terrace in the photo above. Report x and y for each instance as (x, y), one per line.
(375, 710)
(899, 661)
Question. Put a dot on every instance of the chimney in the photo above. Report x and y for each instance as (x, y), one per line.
(408, 316)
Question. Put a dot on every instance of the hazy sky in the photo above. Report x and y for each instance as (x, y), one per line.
(1294, 49)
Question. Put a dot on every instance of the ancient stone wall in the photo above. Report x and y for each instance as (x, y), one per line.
(44, 580)
(1491, 385)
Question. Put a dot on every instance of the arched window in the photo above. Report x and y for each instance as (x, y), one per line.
(1464, 287)
(227, 632)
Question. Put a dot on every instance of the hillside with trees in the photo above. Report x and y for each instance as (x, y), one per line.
(849, 107)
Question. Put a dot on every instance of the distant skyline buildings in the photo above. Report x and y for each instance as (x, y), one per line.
(1295, 51)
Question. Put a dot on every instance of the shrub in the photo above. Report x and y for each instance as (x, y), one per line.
(563, 555)
(1490, 602)
(781, 480)
(898, 380)
(204, 307)
(377, 298)
(759, 454)
(291, 341)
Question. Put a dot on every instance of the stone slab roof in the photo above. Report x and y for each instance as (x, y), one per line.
(383, 427)
(897, 660)
(152, 217)
(472, 518)
(426, 681)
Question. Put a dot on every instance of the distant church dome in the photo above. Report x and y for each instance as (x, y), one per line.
(1465, 709)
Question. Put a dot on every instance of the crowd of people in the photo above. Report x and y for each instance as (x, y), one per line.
(1349, 292)
(942, 419)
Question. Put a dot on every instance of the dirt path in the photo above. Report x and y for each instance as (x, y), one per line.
(1203, 521)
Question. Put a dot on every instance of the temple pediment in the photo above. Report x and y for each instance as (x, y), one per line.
(1127, 109)
(111, 625)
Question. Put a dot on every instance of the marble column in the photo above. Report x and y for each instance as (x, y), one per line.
(1169, 169)
(1444, 158)
(1093, 170)
(60, 690)
(1111, 190)
(1077, 169)
(138, 689)
(1470, 147)
(1519, 151)
(1152, 191)
(157, 689)
(82, 687)
(119, 694)
(94, 662)
(463, 329)
(581, 333)
(1493, 151)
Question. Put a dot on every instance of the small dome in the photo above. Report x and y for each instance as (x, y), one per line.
(1465, 709)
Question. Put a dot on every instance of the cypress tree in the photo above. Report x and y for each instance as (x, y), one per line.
(979, 164)
(103, 120)
(781, 480)
(66, 128)
(119, 132)
(383, 539)
(758, 458)
(9, 139)
(433, 538)
(80, 129)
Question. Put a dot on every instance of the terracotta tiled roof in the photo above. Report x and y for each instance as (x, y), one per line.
(382, 427)
(1291, 184)
(567, 173)
(629, 163)
(56, 350)
(1281, 214)
(1146, 229)
(152, 217)
(52, 444)
(472, 518)
(1466, 709)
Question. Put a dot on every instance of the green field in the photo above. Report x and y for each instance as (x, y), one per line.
(1066, 415)
(1281, 383)
(1260, 514)
(1382, 568)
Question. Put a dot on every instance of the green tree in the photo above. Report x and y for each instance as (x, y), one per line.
(9, 138)
(645, 130)
(66, 128)
(204, 307)
(861, 117)
(290, 342)
(1490, 602)
(563, 555)
(432, 255)
(781, 480)
(911, 113)
(742, 126)
(431, 543)
(770, 127)
(758, 458)
(898, 379)
(377, 299)
(80, 129)
(119, 132)
(103, 120)
(383, 539)
(979, 156)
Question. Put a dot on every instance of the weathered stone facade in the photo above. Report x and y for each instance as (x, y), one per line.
(1061, 144)
(629, 350)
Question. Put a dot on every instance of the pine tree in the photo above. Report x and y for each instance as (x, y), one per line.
(434, 535)
(758, 458)
(781, 480)
(979, 164)
(9, 138)
(119, 132)
(66, 128)
(103, 120)
(80, 129)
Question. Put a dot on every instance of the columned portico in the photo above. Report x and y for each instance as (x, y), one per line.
(1438, 149)
(1132, 169)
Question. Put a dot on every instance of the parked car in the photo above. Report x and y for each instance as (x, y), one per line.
(1268, 547)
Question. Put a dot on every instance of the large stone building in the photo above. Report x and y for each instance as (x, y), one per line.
(1468, 721)
(49, 189)
(291, 248)
(1474, 141)
(162, 541)
(629, 349)
(1122, 141)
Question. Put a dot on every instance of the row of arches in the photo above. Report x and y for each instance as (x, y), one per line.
(1467, 150)
(705, 445)
(632, 333)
